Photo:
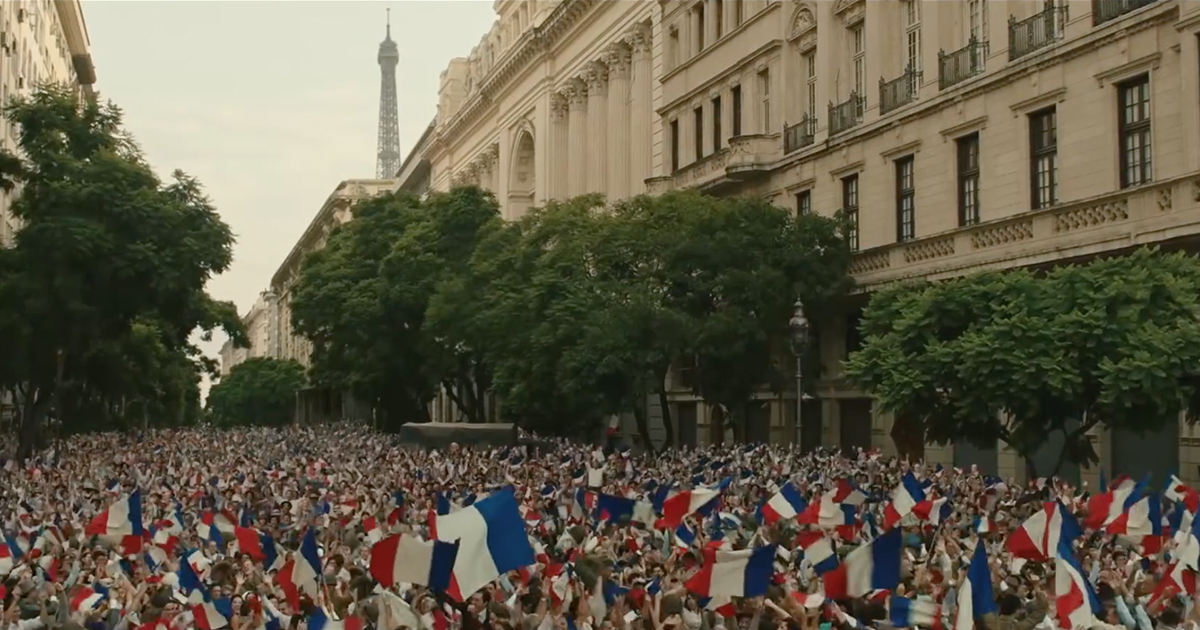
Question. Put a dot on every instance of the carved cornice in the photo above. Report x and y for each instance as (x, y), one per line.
(850, 11)
(804, 25)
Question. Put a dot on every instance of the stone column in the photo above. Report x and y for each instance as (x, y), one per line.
(596, 76)
(577, 127)
(617, 59)
(641, 114)
(559, 149)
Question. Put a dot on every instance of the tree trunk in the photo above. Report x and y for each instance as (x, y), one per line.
(668, 427)
(716, 425)
(33, 414)
(639, 416)
(908, 433)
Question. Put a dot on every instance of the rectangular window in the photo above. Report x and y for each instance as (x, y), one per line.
(858, 52)
(674, 145)
(736, 94)
(968, 180)
(803, 203)
(1043, 145)
(810, 83)
(850, 209)
(1134, 129)
(698, 117)
(698, 26)
(716, 124)
(912, 35)
(719, 17)
(764, 88)
(977, 20)
(906, 200)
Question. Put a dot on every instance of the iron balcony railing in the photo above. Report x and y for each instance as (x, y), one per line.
(1105, 10)
(899, 91)
(846, 114)
(799, 135)
(1036, 31)
(962, 64)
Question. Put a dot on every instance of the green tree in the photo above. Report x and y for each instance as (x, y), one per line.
(1018, 356)
(104, 244)
(343, 304)
(258, 391)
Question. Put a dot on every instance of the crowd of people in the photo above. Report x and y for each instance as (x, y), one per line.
(215, 529)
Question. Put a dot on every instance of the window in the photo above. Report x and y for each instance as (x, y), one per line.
(803, 203)
(764, 88)
(858, 52)
(1134, 128)
(736, 95)
(906, 208)
(674, 145)
(698, 116)
(850, 209)
(912, 35)
(968, 180)
(698, 26)
(716, 123)
(977, 20)
(810, 83)
(1043, 144)
(719, 17)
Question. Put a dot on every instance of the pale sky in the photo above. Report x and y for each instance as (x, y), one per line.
(270, 104)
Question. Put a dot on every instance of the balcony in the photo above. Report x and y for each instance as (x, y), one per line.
(799, 135)
(900, 91)
(752, 155)
(700, 174)
(746, 157)
(1164, 211)
(1036, 31)
(846, 114)
(1105, 10)
(962, 64)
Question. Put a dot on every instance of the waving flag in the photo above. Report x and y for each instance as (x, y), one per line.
(1179, 492)
(688, 502)
(491, 539)
(123, 518)
(405, 559)
(907, 613)
(975, 597)
(1075, 604)
(1108, 506)
(933, 511)
(321, 621)
(785, 505)
(867, 568)
(299, 576)
(818, 551)
(745, 573)
(1038, 538)
(906, 497)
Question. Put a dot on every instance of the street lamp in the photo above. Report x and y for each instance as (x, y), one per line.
(799, 328)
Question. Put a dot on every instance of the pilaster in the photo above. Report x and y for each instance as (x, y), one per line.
(596, 77)
(617, 58)
(641, 112)
(577, 128)
(559, 150)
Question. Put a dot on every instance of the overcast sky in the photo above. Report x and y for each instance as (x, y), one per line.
(270, 104)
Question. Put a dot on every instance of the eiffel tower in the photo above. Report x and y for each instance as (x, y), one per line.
(388, 163)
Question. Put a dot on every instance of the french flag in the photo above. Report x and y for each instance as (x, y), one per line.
(251, 542)
(1107, 507)
(85, 600)
(908, 613)
(210, 616)
(933, 511)
(405, 559)
(320, 621)
(906, 497)
(299, 575)
(7, 558)
(1142, 520)
(745, 573)
(1039, 537)
(785, 505)
(1179, 492)
(975, 598)
(870, 567)
(685, 503)
(818, 551)
(1075, 604)
(491, 539)
(121, 519)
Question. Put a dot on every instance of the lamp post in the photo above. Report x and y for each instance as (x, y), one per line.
(799, 328)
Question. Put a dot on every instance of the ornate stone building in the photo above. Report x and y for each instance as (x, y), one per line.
(934, 125)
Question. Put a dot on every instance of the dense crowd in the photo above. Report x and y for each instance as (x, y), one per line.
(209, 529)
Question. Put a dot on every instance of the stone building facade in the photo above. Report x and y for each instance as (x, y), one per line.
(262, 329)
(958, 135)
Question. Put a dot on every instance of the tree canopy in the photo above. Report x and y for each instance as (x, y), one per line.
(569, 315)
(1020, 355)
(258, 391)
(106, 281)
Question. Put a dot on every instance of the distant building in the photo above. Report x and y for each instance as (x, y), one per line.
(40, 42)
(261, 331)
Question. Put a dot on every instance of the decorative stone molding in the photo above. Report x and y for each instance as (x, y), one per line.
(870, 261)
(560, 104)
(639, 39)
(850, 11)
(804, 28)
(617, 57)
(596, 77)
(1091, 216)
(929, 250)
(1002, 234)
(576, 92)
